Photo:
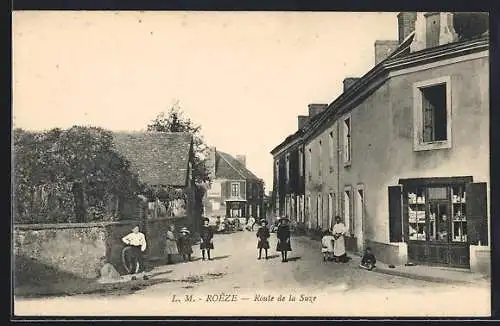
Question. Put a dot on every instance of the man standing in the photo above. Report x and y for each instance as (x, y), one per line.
(137, 241)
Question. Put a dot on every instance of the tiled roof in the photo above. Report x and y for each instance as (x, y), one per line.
(228, 167)
(159, 158)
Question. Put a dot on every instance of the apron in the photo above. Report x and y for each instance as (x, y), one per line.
(339, 244)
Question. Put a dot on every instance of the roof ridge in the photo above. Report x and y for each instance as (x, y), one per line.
(231, 165)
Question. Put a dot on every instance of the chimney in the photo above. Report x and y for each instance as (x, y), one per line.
(432, 29)
(349, 81)
(383, 48)
(406, 24)
(315, 109)
(242, 159)
(302, 120)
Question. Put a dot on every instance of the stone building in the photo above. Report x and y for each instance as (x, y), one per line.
(402, 155)
(235, 191)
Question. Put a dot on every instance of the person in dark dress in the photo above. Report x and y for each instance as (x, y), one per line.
(263, 238)
(185, 244)
(283, 234)
(207, 236)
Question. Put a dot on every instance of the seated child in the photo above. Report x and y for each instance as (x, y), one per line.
(368, 261)
(327, 245)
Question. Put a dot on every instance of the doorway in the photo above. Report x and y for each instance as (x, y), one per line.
(360, 215)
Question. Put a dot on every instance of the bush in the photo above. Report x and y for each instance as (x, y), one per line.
(69, 176)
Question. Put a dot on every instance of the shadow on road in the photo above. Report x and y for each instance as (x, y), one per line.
(293, 258)
(221, 257)
(272, 256)
(160, 273)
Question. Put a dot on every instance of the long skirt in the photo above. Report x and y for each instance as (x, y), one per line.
(339, 247)
(206, 245)
(171, 247)
(283, 246)
(263, 244)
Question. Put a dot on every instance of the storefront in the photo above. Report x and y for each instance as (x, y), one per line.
(442, 217)
(236, 209)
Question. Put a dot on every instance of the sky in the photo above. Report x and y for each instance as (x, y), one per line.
(243, 76)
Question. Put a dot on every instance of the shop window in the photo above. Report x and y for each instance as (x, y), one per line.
(416, 214)
(432, 114)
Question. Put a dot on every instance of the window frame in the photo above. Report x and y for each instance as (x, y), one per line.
(347, 140)
(418, 143)
(348, 203)
(239, 190)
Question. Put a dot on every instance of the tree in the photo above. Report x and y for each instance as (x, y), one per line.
(55, 170)
(175, 121)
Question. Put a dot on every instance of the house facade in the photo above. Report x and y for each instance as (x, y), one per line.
(235, 191)
(290, 170)
(163, 161)
(403, 154)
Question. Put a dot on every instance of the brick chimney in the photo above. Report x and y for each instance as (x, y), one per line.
(349, 81)
(315, 109)
(433, 29)
(383, 48)
(242, 159)
(406, 24)
(302, 121)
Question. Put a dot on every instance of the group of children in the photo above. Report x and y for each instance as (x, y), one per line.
(368, 260)
(182, 244)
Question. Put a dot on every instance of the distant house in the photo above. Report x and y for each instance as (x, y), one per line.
(235, 190)
(164, 162)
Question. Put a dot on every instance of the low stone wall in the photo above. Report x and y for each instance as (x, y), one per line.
(77, 248)
(480, 260)
(386, 252)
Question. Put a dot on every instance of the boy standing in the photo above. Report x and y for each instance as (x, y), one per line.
(137, 241)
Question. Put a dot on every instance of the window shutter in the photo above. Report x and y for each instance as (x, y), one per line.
(428, 120)
(395, 214)
(477, 216)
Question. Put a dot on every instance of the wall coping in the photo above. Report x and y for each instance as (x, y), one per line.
(45, 226)
(59, 226)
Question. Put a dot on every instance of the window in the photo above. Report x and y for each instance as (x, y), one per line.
(319, 211)
(309, 161)
(347, 141)
(308, 211)
(348, 208)
(331, 151)
(287, 168)
(432, 114)
(330, 210)
(320, 158)
(276, 170)
(235, 189)
(301, 162)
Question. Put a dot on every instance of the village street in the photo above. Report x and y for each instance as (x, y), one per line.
(245, 285)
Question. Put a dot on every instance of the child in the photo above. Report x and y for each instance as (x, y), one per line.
(206, 236)
(327, 245)
(283, 235)
(263, 236)
(171, 244)
(368, 261)
(185, 244)
(137, 241)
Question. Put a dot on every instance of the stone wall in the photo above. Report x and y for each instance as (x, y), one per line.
(77, 248)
